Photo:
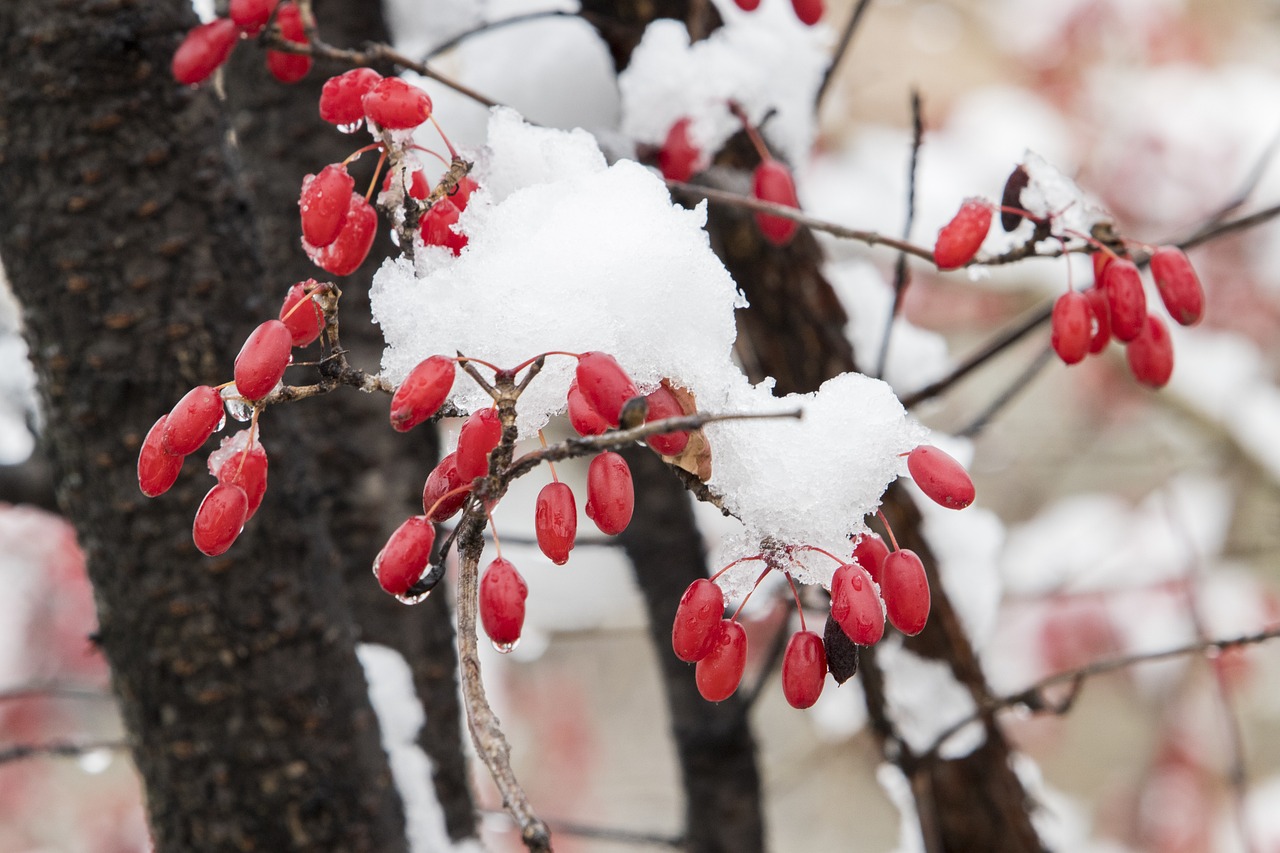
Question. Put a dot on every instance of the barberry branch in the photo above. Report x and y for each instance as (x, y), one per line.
(490, 26)
(901, 275)
(842, 47)
(53, 690)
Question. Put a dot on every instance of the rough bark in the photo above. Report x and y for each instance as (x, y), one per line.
(131, 251)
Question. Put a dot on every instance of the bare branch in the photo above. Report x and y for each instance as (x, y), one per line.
(846, 38)
(58, 749)
(53, 690)
(901, 276)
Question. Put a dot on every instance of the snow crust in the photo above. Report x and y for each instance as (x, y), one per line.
(925, 699)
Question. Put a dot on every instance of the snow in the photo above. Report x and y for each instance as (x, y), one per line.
(924, 700)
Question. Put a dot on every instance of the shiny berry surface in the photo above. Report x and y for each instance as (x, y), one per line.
(1150, 355)
(396, 105)
(719, 673)
(340, 99)
(303, 321)
(693, 632)
(247, 470)
(771, 181)
(479, 436)
(442, 480)
(611, 497)
(663, 404)
(219, 519)
(347, 252)
(855, 605)
(1125, 298)
(905, 588)
(157, 468)
(1179, 286)
(422, 392)
(192, 420)
(869, 551)
(555, 521)
(940, 477)
(582, 417)
(502, 596)
(263, 359)
(804, 669)
(203, 50)
(961, 238)
(604, 385)
(1071, 327)
(323, 204)
(437, 229)
(678, 157)
(405, 556)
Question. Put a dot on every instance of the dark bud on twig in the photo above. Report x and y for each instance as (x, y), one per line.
(1018, 180)
(426, 583)
(633, 413)
(842, 653)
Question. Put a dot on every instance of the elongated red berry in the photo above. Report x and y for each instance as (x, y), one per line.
(678, 157)
(604, 384)
(192, 420)
(809, 12)
(804, 669)
(502, 596)
(772, 181)
(555, 522)
(479, 436)
(289, 67)
(869, 552)
(962, 237)
(204, 49)
(461, 194)
(250, 15)
(442, 480)
(405, 556)
(340, 99)
(1179, 286)
(748, 5)
(324, 203)
(693, 632)
(584, 419)
(611, 498)
(1150, 354)
(246, 469)
(303, 321)
(347, 252)
(940, 477)
(1126, 299)
(1072, 327)
(157, 468)
(220, 519)
(418, 186)
(663, 404)
(905, 589)
(422, 392)
(396, 105)
(1100, 311)
(720, 671)
(855, 605)
(437, 224)
(263, 359)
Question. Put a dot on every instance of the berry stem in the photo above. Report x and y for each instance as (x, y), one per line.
(795, 593)
(543, 440)
(734, 563)
(306, 294)
(432, 511)
(355, 155)
(893, 540)
(452, 151)
(493, 531)
(754, 135)
(466, 358)
(754, 587)
(433, 153)
(528, 361)
(820, 551)
(377, 170)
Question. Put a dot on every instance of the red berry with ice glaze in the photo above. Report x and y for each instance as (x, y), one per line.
(678, 157)
(442, 480)
(1100, 312)
(324, 203)
(289, 67)
(1072, 327)
(192, 420)
(340, 99)
(479, 436)
(582, 417)
(220, 519)
(905, 588)
(157, 468)
(347, 252)
(437, 224)
(693, 632)
(1179, 286)
(555, 522)
(502, 596)
(772, 181)
(422, 392)
(396, 105)
(663, 404)
(804, 669)
(720, 671)
(263, 359)
(204, 49)
(247, 471)
(1150, 355)
(962, 237)
(604, 385)
(304, 321)
(869, 552)
(855, 605)
(1126, 299)
(940, 477)
(611, 498)
(405, 556)
(808, 11)
(250, 15)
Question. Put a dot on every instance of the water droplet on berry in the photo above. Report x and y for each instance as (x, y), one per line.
(222, 421)
(505, 648)
(395, 238)
(412, 599)
(351, 127)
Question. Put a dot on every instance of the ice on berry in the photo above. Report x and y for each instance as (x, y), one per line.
(232, 446)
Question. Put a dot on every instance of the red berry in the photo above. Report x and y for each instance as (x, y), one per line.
(324, 203)
(157, 467)
(720, 671)
(1101, 260)
(804, 669)
(663, 404)
(422, 392)
(437, 226)
(263, 359)
(869, 551)
(855, 605)
(1101, 313)
(748, 5)
(405, 556)
(220, 518)
(611, 498)
(190, 423)
(418, 186)
(1072, 327)
(582, 417)
(442, 480)
(345, 254)
(809, 12)
(289, 67)
(1150, 355)
(555, 521)
(462, 192)
(303, 321)
(340, 99)
(1126, 299)
(204, 49)
(772, 181)
(251, 15)
(905, 589)
(693, 632)
(604, 385)
(247, 471)
(678, 157)
(962, 237)
(479, 436)
(502, 595)
(396, 105)
(940, 477)
(1179, 286)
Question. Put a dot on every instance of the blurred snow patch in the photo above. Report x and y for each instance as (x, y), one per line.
(924, 700)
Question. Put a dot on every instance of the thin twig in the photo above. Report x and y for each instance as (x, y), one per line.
(900, 274)
(604, 833)
(1016, 387)
(490, 26)
(846, 38)
(58, 749)
(53, 690)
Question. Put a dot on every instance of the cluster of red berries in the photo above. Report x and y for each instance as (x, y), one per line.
(242, 477)
(808, 11)
(207, 46)
(874, 583)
